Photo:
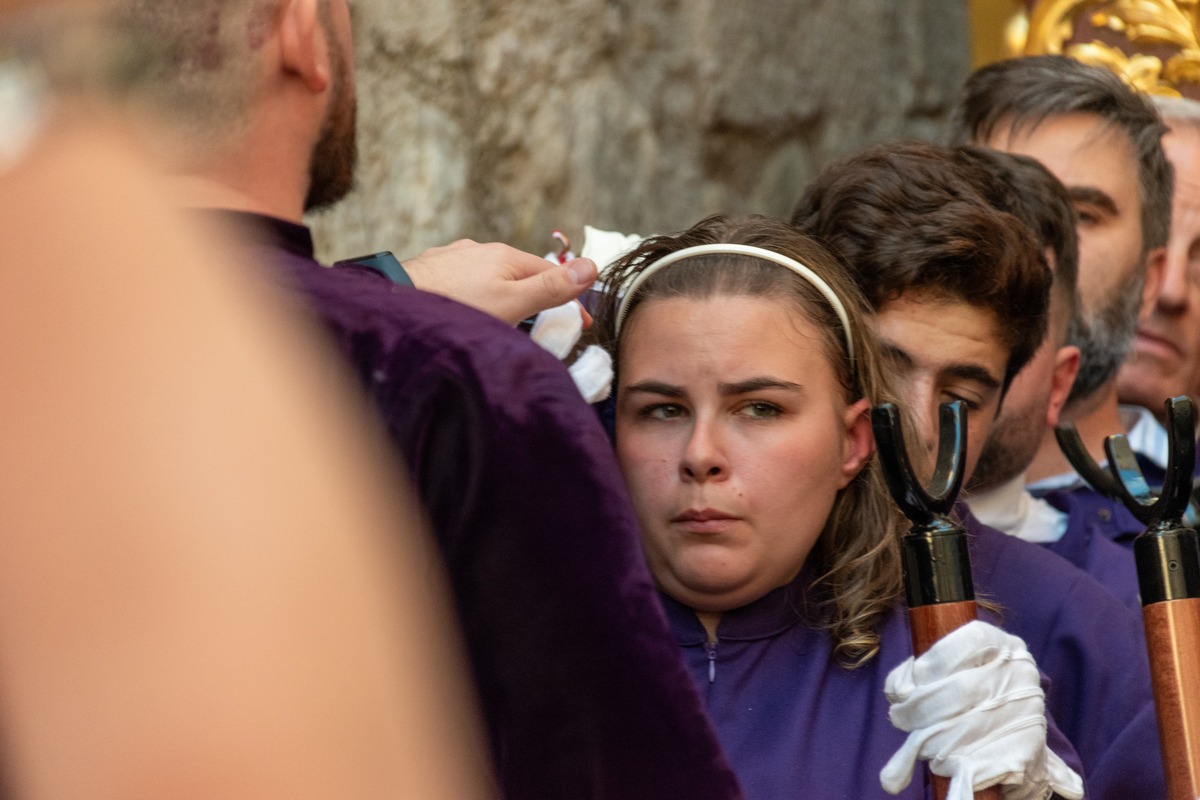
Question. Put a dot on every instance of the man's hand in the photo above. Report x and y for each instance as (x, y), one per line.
(501, 280)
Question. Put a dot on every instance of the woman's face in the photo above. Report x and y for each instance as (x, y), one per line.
(734, 437)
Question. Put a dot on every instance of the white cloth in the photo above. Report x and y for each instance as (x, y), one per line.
(974, 709)
(1147, 436)
(605, 247)
(557, 330)
(593, 373)
(1011, 509)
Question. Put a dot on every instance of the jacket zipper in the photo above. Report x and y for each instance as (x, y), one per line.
(710, 648)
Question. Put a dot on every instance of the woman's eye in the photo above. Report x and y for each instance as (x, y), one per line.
(662, 411)
(761, 410)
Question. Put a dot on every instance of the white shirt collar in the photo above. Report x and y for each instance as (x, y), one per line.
(1147, 437)
(1011, 509)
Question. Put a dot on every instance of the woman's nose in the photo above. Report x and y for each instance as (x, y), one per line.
(704, 458)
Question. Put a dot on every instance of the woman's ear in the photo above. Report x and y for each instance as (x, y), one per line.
(303, 50)
(859, 442)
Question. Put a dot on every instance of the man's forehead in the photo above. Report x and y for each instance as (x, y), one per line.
(935, 331)
(1068, 145)
(1182, 145)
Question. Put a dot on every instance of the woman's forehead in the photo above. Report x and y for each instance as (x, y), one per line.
(720, 332)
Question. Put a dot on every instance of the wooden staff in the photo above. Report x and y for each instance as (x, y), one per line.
(1168, 566)
(937, 566)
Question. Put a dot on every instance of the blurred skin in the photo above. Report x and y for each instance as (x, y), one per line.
(734, 440)
(939, 350)
(206, 586)
(1166, 354)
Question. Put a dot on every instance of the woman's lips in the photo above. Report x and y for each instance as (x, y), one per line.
(705, 520)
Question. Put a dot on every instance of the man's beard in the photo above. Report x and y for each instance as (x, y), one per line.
(1006, 453)
(1105, 339)
(331, 168)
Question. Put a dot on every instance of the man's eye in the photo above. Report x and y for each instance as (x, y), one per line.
(971, 403)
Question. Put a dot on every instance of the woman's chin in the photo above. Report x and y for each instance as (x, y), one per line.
(712, 589)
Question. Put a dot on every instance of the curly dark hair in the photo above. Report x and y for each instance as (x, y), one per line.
(1023, 187)
(911, 216)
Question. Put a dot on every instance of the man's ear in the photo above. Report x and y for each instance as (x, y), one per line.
(860, 440)
(1156, 262)
(1066, 367)
(303, 50)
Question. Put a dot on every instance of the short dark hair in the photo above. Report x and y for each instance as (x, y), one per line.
(1024, 188)
(1024, 92)
(909, 216)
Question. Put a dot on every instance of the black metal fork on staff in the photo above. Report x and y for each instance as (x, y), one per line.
(937, 566)
(1168, 567)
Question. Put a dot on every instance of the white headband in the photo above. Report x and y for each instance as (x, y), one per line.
(741, 250)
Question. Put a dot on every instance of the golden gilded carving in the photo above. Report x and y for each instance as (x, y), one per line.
(1166, 28)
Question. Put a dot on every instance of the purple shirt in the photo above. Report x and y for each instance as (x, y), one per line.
(1091, 647)
(1087, 545)
(1110, 517)
(583, 691)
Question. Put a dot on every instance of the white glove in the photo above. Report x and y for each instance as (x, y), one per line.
(557, 330)
(975, 710)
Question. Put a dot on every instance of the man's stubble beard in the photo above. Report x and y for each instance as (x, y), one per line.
(1106, 339)
(335, 155)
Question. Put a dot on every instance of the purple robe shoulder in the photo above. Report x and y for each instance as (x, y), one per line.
(793, 721)
(582, 688)
(1107, 516)
(1090, 646)
(1086, 545)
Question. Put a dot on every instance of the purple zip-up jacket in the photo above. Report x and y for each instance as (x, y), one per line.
(782, 704)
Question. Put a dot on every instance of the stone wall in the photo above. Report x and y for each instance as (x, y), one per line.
(504, 119)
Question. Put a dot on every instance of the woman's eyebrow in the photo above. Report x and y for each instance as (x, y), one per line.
(654, 387)
(757, 385)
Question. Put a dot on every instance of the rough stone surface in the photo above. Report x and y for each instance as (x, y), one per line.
(505, 120)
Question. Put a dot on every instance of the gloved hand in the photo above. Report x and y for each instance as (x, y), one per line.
(975, 710)
(557, 330)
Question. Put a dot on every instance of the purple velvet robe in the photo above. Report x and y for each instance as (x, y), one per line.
(582, 688)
